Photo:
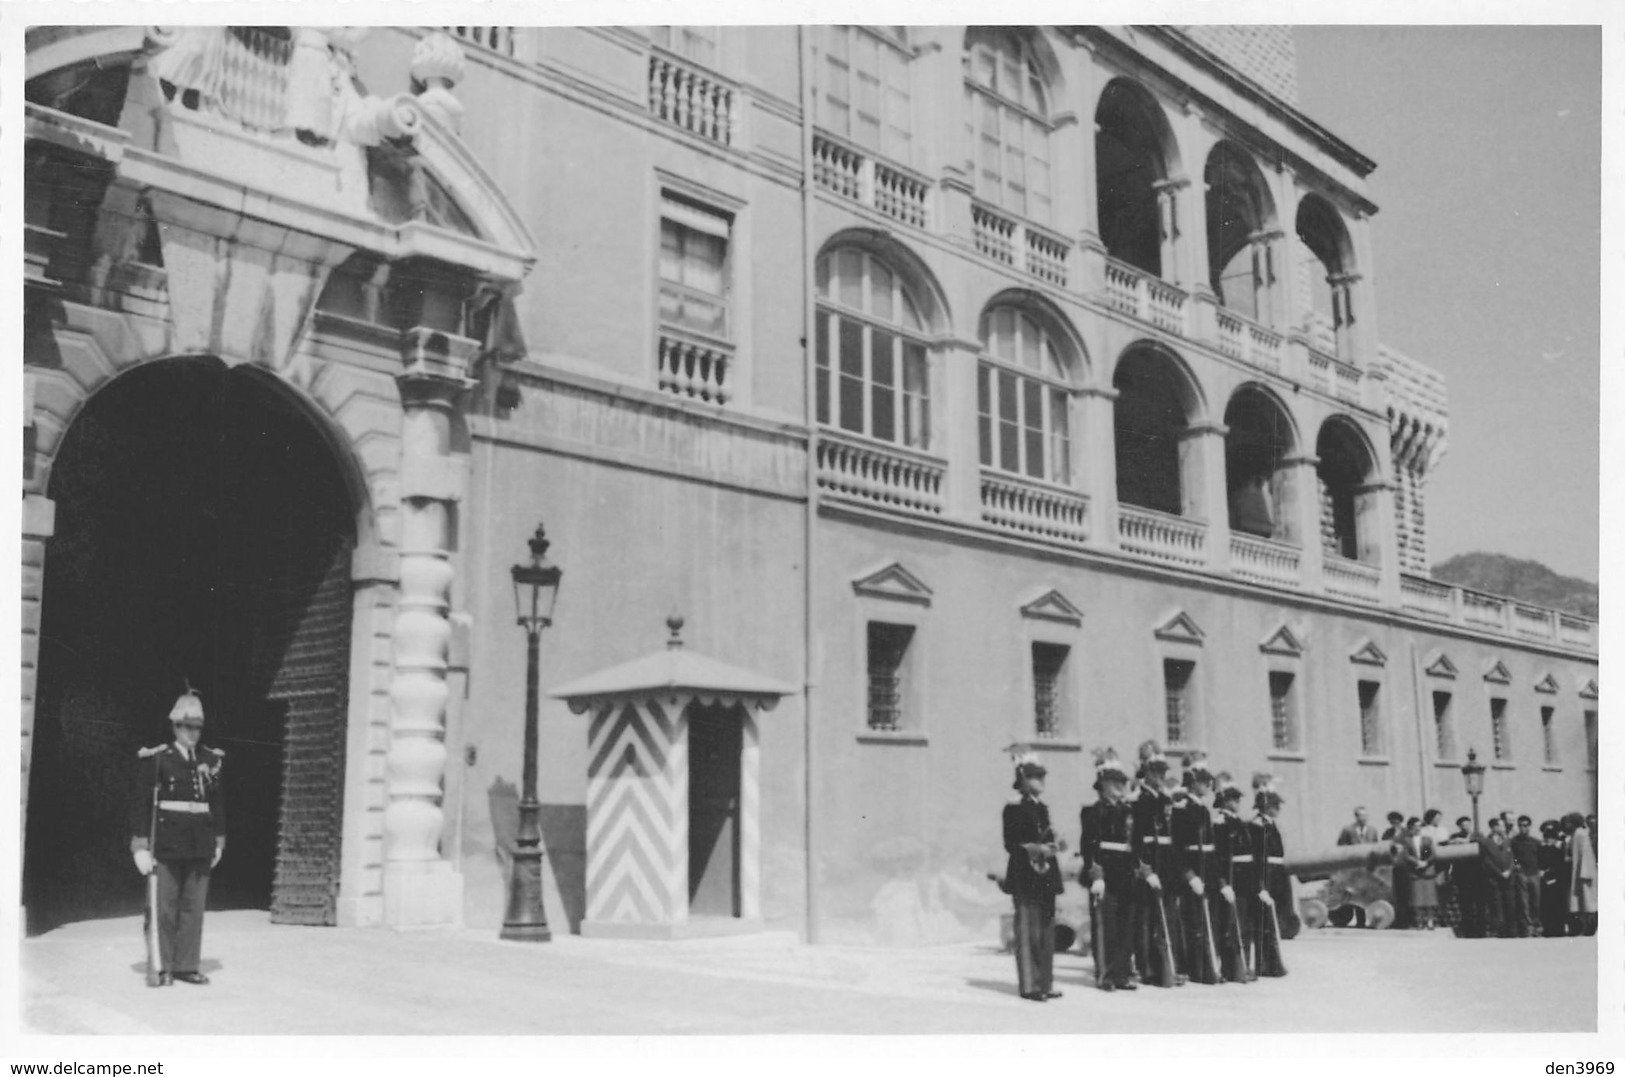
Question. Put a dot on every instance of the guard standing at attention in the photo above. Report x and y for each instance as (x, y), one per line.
(1034, 879)
(1193, 844)
(1233, 873)
(1110, 871)
(1159, 940)
(1269, 857)
(178, 829)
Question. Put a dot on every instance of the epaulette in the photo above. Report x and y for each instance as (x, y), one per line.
(148, 753)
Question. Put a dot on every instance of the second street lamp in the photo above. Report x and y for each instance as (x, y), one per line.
(535, 589)
(1472, 772)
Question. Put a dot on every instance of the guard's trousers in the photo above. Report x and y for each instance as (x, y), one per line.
(1114, 923)
(183, 890)
(1035, 945)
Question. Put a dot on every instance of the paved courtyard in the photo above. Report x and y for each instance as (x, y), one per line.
(88, 978)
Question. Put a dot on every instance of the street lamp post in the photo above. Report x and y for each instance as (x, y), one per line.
(1472, 772)
(535, 589)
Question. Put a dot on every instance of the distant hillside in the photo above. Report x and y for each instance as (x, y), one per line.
(1529, 581)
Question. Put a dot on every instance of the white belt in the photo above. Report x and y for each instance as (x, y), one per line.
(196, 807)
(1275, 859)
(1242, 858)
(1199, 848)
(1114, 846)
(1158, 838)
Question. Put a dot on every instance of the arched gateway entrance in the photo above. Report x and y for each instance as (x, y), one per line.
(204, 531)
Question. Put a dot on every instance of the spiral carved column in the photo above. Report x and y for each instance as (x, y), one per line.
(420, 886)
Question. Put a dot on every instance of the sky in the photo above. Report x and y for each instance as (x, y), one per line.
(1487, 247)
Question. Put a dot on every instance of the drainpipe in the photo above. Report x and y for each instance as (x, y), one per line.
(808, 315)
(1421, 724)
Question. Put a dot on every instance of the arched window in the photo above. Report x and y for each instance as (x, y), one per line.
(1348, 511)
(1257, 483)
(1130, 166)
(1151, 415)
(1328, 264)
(1008, 122)
(871, 360)
(1022, 399)
(1240, 220)
(863, 90)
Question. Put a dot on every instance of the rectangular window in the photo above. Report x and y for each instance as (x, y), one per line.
(1591, 739)
(865, 93)
(1176, 684)
(1548, 736)
(1049, 688)
(1283, 718)
(888, 647)
(1498, 729)
(1444, 737)
(1370, 719)
(984, 413)
(697, 43)
(1022, 425)
(693, 267)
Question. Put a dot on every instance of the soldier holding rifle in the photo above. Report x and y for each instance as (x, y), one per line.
(1159, 941)
(1234, 873)
(1111, 871)
(1269, 878)
(178, 834)
(1195, 846)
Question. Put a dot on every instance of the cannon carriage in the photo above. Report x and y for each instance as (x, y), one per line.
(1346, 883)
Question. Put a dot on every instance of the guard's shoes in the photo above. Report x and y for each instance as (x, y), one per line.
(1128, 985)
(192, 978)
(1035, 996)
(1108, 986)
(1052, 994)
(164, 980)
(1181, 980)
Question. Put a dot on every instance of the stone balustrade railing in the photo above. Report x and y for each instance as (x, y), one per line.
(501, 39)
(1015, 243)
(1346, 381)
(1145, 297)
(994, 233)
(1244, 339)
(1047, 257)
(691, 98)
(852, 173)
(1266, 560)
(1158, 536)
(1352, 579)
(694, 366)
(880, 474)
(1495, 613)
(1320, 370)
(1012, 503)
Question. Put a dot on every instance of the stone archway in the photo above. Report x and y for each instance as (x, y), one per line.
(204, 532)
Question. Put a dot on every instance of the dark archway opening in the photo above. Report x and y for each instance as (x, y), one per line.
(1344, 472)
(1238, 212)
(1255, 451)
(203, 532)
(1150, 420)
(1128, 166)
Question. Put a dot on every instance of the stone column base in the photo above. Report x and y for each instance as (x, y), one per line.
(427, 894)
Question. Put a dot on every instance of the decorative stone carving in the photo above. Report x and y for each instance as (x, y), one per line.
(438, 65)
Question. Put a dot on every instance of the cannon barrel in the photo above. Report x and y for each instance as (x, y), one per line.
(1376, 854)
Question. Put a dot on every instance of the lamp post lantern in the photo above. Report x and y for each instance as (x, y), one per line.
(535, 589)
(1472, 772)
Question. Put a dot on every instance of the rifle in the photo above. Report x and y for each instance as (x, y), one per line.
(1097, 944)
(1168, 971)
(155, 957)
(1212, 947)
(1241, 942)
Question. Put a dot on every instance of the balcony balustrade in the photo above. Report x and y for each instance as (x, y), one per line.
(887, 475)
(1427, 597)
(1147, 298)
(1158, 536)
(1021, 246)
(691, 98)
(1488, 611)
(1266, 561)
(695, 367)
(1241, 338)
(1534, 621)
(1352, 579)
(502, 39)
(1012, 503)
(1496, 613)
(856, 175)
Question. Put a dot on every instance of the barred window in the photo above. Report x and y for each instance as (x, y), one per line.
(1022, 400)
(871, 367)
(1498, 729)
(888, 646)
(1370, 719)
(1176, 682)
(1008, 122)
(1548, 736)
(1443, 733)
(1049, 688)
(1283, 720)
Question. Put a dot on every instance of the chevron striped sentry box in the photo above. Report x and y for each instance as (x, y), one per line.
(637, 788)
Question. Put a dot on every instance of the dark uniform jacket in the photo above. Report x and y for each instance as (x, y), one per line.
(1270, 856)
(1233, 853)
(1154, 835)
(1027, 822)
(1108, 846)
(1526, 853)
(1194, 844)
(181, 834)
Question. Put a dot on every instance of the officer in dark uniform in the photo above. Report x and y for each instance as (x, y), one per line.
(1269, 858)
(1233, 873)
(1034, 880)
(1193, 843)
(178, 829)
(1111, 871)
(1159, 940)
(1554, 881)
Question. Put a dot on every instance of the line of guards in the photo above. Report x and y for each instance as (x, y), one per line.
(1180, 890)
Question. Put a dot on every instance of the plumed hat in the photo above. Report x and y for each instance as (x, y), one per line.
(1264, 794)
(1227, 787)
(1151, 758)
(187, 708)
(1196, 770)
(1108, 768)
(1026, 763)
